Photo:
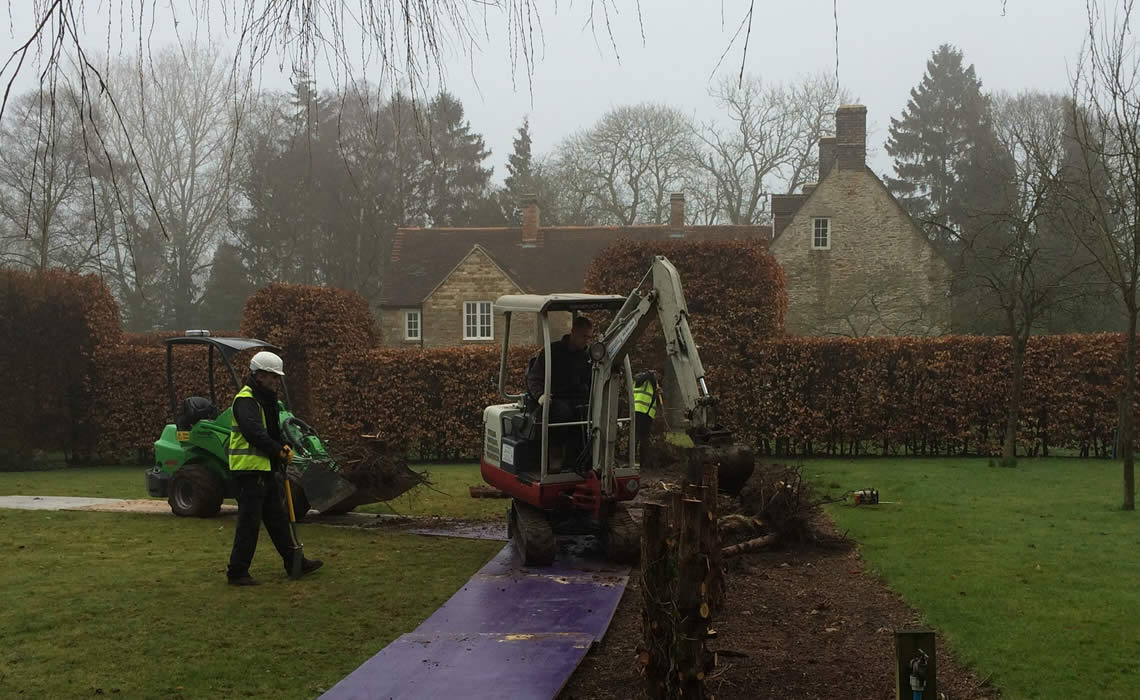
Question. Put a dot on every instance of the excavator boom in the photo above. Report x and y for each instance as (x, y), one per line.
(660, 295)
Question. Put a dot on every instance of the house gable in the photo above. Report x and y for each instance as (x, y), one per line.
(477, 278)
(879, 274)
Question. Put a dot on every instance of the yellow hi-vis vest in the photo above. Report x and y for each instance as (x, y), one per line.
(243, 456)
(643, 399)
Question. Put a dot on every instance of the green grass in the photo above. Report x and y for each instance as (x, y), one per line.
(93, 482)
(136, 606)
(1029, 573)
(447, 497)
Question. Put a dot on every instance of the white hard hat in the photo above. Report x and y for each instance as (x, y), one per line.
(265, 361)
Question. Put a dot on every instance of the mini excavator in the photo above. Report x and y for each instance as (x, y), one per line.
(584, 494)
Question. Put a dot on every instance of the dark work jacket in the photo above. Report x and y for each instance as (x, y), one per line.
(266, 439)
(569, 372)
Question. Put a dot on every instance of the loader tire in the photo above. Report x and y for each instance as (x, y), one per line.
(196, 491)
(622, 538)
(532, 534)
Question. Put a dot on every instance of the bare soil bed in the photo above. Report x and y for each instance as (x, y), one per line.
(801, 621)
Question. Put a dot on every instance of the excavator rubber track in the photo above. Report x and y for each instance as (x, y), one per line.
(622, 538)
(533, 535)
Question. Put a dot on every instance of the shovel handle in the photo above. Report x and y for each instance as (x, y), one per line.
(289, 500)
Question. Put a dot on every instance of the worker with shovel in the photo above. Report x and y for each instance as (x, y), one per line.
(255, 450)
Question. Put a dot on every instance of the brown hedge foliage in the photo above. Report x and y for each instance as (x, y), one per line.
(925, 396)
(429, 401)
(54, 324)
(736, 296)
(734, 289)
(314, 327)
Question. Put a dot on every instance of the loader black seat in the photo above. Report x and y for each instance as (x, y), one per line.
(194, 409)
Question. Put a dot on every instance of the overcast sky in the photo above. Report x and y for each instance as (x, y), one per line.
(882, 52)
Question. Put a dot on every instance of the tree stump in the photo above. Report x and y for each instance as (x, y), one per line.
(656, 585)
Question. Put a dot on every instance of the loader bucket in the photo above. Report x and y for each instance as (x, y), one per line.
(324, 487)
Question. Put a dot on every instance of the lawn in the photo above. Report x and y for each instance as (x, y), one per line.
(448, 495)
(1028, 573)
(135, 606)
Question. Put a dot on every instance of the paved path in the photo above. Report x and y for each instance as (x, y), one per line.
(415, 525)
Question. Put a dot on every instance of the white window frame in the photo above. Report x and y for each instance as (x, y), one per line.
(418, 315)
(814, 223)
(481, 310)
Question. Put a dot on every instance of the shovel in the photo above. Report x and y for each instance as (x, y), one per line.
(298, 548)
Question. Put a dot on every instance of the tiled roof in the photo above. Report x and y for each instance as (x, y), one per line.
(555, 261)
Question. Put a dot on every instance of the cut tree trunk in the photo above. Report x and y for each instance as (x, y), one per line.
(1013, 409)
(1127, 419)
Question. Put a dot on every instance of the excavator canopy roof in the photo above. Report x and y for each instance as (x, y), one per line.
(544, 303)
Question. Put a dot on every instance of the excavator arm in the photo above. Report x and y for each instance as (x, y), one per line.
(659, 295)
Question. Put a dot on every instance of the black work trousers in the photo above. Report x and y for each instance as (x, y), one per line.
(259, 500)
(644, 427)
(571, 437)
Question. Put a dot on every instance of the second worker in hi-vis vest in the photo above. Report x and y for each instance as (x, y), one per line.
(646, 401)
(256, 450)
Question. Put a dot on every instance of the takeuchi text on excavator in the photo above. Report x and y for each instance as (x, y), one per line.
(556, 492)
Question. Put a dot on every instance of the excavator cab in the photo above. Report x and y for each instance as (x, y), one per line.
(553, 492)
(525, 453)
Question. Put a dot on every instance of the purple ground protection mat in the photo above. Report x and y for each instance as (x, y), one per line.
(468, 666)
(509, 632)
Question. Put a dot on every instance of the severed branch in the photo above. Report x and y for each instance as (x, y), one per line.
(752, 545)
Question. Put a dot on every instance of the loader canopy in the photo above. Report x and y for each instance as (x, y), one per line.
(226, 348)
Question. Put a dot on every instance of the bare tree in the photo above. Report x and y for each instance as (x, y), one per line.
(1104, 202)
(180, 123)
(42, 185)
(396, 43)
(1015, 256)
(766, 141)
(623, 169)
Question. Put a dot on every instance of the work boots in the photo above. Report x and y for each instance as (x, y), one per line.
(308, 566)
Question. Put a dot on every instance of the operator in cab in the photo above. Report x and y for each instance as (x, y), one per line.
(570, 377)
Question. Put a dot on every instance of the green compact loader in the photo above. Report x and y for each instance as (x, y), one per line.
(191, 467)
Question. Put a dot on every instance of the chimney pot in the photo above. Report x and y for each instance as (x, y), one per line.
(677, 210)
(530, 218)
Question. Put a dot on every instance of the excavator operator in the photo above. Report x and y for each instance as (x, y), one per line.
(570, 377)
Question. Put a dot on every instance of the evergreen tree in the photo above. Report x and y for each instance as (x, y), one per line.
(456, 181)
(936, 143)
(521, 180)
(953, 177)
(226, 290)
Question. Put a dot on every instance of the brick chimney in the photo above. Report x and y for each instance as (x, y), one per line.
(826, 155)
(677, 210)
(530, 218)
(851, 137)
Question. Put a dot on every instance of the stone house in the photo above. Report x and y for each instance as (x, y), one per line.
(440, 283)
(855, 261)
